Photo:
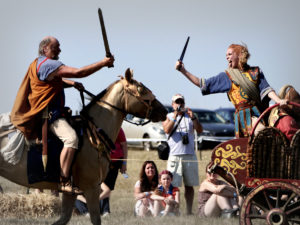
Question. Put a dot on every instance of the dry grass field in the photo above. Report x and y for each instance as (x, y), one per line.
(18, 207)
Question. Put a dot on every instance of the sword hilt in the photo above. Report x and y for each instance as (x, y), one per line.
(109, 55)
(180, 65)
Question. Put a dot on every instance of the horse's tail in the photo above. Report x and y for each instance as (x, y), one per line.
(283, 90)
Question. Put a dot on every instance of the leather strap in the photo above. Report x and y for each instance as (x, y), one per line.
(174, 128)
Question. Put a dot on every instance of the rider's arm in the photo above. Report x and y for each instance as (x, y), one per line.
(272, 95)
(195, 80)
(71, 72)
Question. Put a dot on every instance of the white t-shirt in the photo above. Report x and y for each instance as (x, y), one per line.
(175, 141)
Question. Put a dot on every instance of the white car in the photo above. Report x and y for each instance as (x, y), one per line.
(136, 133)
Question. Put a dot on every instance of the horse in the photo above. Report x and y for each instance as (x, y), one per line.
(106, 111)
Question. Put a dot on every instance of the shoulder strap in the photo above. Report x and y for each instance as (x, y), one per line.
(174, 128)
(41, 64)
(249, 87)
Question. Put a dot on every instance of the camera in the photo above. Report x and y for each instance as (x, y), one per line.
(180, 109)
(185, 139)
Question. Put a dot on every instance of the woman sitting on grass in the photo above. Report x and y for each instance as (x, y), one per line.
(216, 197)
(144, 188)
(166, 197)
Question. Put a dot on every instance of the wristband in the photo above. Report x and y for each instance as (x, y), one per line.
(234, 195)
(146, 193)
(172, 119)
(124, 162)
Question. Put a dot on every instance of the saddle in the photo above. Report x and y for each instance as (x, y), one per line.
(35, 167)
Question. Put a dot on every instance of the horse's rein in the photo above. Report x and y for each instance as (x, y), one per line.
(127, 91)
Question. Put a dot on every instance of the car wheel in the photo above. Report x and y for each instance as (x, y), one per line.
(147, 144)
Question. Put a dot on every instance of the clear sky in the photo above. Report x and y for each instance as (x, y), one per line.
(148, 36)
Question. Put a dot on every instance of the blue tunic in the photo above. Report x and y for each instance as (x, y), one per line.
(244, 105)
(44, 70)
(221, 84)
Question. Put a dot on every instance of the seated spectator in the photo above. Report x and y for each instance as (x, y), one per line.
(166, 197)
(144, 188)
(216, 197)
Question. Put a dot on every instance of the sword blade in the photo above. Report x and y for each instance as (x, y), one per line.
(104, 35)
(184, 48)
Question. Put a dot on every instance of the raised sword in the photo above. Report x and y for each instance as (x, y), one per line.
(104, 35)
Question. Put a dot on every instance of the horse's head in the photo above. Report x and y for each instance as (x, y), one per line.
(140, 101)
(289, 93)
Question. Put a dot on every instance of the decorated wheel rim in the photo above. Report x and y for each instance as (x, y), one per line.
(274, 203)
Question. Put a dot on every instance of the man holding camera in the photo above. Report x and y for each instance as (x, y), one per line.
(182, 160)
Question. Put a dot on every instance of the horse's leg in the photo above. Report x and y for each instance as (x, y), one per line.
(92, 201)
(66, 209)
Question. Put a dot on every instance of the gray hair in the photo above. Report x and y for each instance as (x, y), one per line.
(43, 43)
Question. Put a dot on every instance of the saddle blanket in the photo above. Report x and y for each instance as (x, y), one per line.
(14, 140)
(35, 168)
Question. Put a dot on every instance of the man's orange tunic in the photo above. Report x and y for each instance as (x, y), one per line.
(33, 96)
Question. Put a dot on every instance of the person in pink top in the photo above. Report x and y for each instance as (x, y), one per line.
(118, 163)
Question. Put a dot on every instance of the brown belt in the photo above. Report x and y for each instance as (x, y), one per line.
(245, 105)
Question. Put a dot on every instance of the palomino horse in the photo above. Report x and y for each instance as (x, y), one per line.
(105, 111)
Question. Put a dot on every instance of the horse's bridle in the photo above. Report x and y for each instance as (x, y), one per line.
(97, 135)
(127, 91)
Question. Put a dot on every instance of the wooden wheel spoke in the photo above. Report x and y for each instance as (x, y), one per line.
(294, 220)
(293, 195)
(293, 210)
(256, 216)
(267, 199)
(277, 197)
(263, 208)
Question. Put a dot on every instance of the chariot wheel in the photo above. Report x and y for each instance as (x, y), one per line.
(273, 203)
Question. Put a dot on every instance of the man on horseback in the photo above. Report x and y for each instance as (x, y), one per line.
(42, 93)
(246, 86)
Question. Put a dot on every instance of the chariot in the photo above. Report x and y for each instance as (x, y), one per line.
(265, 169)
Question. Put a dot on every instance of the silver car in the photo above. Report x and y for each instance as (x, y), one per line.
(136, 134)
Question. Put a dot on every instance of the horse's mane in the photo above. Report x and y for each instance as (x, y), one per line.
(99, 96)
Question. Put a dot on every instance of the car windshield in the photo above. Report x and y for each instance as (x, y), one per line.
(209, 117)
(228, 115)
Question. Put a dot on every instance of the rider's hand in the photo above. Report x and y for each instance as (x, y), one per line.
(109, 61)
(179, 66)
(79, 86)
(283, 102)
